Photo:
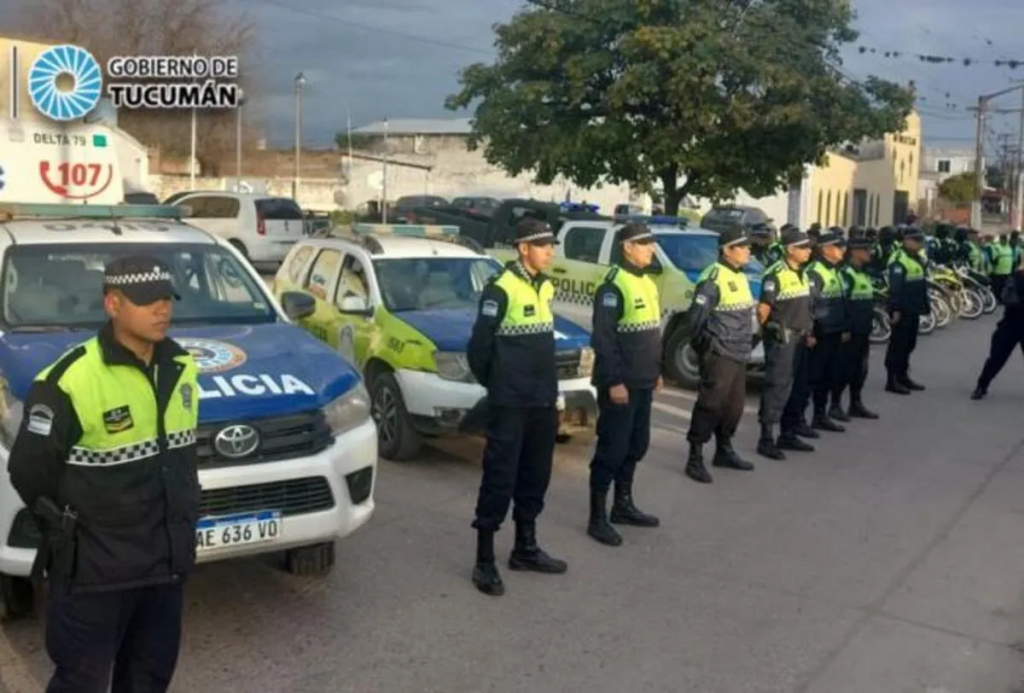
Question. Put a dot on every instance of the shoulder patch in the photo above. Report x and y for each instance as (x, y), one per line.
(701, 300)
(40, 420)
(769, 284)
(609, 300)
(489, 309)
(897, 268)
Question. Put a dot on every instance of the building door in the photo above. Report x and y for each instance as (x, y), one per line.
(900, 206)
(860, 207)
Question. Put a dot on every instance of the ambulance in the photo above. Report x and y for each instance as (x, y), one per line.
(287, 447)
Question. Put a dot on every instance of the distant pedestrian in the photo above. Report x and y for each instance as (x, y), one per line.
(1008, 335)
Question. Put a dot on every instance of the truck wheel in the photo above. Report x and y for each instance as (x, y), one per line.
(16, 598)
(397, 440)
(240, 247)
(681, 364)
(310, 561)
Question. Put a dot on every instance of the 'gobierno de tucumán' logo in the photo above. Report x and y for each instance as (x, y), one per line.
(66, 82)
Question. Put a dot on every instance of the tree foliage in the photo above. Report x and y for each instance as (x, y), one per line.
(704, 97)
(108, 28)
(959, 189)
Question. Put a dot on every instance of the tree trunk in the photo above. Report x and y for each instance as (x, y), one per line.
(673, 195)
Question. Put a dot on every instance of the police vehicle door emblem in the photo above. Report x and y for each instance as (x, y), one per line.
(186, 396)
(118, 419)
(40, 420)
(529, 311)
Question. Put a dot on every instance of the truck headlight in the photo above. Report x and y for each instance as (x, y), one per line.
(586, 362)
(453, 365)
(350, 410)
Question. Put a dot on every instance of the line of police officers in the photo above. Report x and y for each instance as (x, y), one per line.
(815, 312)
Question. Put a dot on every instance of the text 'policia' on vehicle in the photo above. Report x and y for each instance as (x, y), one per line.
(286, 443)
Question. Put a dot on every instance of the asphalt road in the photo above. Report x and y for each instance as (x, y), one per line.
(891, 561)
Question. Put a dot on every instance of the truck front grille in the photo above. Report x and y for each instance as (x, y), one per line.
(290, 497)
(281, 438)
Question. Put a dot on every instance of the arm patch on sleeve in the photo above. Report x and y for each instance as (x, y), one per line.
(40, 420)
(610, 300)
(898, 269)
(769, 285)
(701, 300)
(489, 309)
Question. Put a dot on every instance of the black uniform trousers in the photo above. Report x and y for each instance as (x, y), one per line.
(517, 464)
(1009, 333)
(623, 436)
(136, 633)
(853, 359)
(823, 369)
(902, 343)
(720, 398)
(780, 366)
(998, 282)
(800, 393)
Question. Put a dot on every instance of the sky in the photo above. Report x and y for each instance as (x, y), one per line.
(400, 58)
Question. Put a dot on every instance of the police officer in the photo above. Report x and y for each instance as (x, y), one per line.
(1009, 333)
(830, 330)
(777, 250)
(721, 322)
(859, 294)
(106, 459)
(1002, 264)
(511, 352)
(784, 313)
(627, 369)
(760, 243)
(908, 301)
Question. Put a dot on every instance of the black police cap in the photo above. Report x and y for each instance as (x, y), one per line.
(831, 238)
(143, 279)
(859, 243)
(535, 232)
(636, 232)
(732, 237)
(794, 236)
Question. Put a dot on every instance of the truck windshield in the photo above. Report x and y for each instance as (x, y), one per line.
(409, 284)
(693, 252)
(61, 286)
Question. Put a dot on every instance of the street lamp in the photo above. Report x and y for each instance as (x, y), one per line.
(238, 139)
(300, 82)
(979, 147)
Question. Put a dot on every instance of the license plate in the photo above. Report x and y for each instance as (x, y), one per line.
(561, 403)
(237, 530)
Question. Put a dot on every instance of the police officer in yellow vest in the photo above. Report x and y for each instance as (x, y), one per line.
(831, 330)
(859, 293)
(784, 313)
(627, 369)
(721, 322)
(908, 301)
(106, 458)
(511, 352)
(1002, 264)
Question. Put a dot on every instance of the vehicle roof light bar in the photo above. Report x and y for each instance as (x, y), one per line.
(421, 231)
(17, 210)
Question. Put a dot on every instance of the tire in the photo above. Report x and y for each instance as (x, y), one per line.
(940, 310)
(397, 440)
(973, 305)
(17, 598)
(240, 247)
(927, 325)
(989, 302)
(881, 330)
(681, 365)
(310, 561)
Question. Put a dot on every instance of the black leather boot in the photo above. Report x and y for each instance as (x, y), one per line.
(625, 512)
(726, 456)
(805, 431)
(789, 441)
(859, 411)
(485, 574)
(528, 556)
(906, 382)
(895, 386)
(695, 468)
(836, 412)
(979, 393)
(598, 526)
(766, 446)
(823, 423)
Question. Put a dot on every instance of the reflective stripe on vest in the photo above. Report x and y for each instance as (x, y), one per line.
(792, 283)
(831, 286)
(863, 289)
(912, 271)
(117, 409)
(733, 288)
(529, 309)
(641, 310)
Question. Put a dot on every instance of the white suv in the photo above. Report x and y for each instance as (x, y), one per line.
(262, 227)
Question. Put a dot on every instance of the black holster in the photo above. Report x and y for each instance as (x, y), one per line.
(56, 553)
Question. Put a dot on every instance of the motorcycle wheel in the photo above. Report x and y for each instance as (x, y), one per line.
(881, 329)
(989, 303)
(927, 324)
(973, 305)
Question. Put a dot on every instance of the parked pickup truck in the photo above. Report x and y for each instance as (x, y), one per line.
(586, 251)
(498, 229)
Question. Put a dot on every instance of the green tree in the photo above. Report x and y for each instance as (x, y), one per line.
(958, 189)
(702, 96)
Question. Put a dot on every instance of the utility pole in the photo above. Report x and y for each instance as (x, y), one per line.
(979, 151)
(1018, 197)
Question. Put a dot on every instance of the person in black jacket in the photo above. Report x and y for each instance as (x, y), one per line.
(1008, 335)
(854, 354)
(511, 352)
(908, 301)
(106, 459)
(627, 369)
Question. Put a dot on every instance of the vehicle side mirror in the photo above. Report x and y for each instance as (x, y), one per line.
(354, 305)
(297, 305)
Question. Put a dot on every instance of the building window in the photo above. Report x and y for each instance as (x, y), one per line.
(878, 203)
(820, 198)
(911, 159)
(871, 210)
(828, 209)
(944, 166)
(845, 221)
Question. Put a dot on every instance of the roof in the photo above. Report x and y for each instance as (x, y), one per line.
(670, 231)
(400, 247)
(417, 126)
(96, 231)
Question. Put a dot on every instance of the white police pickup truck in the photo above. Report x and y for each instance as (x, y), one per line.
(287, 446)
